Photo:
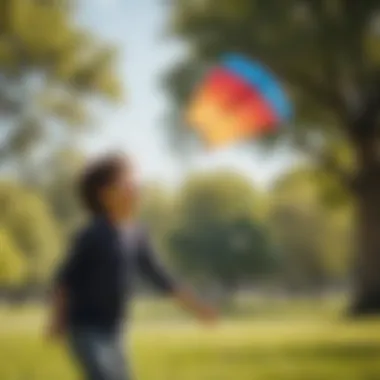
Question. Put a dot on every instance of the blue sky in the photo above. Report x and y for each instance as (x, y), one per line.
(137, 28)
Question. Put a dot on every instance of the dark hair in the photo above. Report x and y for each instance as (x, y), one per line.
(98, 175)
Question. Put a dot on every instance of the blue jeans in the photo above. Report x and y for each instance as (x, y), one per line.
(99, 353)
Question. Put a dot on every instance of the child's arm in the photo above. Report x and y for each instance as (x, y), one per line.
(57, 321)
(190, 302)
(154, 270)
(67, 273)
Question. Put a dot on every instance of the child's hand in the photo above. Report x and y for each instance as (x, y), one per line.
(57, 323)
(55, 329)
(204, 312)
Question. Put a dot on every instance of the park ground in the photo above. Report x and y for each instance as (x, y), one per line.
(297, 341)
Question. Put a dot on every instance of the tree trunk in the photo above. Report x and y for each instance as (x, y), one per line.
(367, 263)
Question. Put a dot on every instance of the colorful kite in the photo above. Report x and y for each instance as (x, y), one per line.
(237, 100)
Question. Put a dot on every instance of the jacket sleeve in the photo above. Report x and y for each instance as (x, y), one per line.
(151, 267)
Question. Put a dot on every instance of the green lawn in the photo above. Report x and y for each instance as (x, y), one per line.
(279, 347)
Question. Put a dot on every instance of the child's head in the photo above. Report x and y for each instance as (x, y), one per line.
(108, 187)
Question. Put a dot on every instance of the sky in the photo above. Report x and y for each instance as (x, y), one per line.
(137, 28)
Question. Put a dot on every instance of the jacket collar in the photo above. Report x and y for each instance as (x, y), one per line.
(104, 224)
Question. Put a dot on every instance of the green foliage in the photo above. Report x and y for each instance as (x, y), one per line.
(12, 263)
(315, 240)
(218, 230)
(58, 188)
(156, 213)
(157, 208)
(49, 71)
(204, 194)
(324, 52)
(30, 228)
(305, 42)
(216, 236)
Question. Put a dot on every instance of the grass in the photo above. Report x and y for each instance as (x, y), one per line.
(280, 346)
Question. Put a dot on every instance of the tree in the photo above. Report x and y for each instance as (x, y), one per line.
(50, 72)
(327, 53)
(216, 237)
(31, 230)
(57, 186)
(156, 210)
(12, 265)
(314, 240)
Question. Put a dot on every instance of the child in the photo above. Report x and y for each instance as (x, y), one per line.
(94, 285)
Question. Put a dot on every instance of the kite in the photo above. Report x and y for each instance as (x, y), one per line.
(237, 100)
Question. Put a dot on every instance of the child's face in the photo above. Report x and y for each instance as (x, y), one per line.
(121, 197)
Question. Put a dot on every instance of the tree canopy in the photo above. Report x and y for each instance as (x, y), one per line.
(315, 241)
(50, 72)
(12, 265)
(325, 51)
(30, 231)
(217, 236)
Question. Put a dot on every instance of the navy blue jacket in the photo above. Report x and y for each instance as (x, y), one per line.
(98, 274)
